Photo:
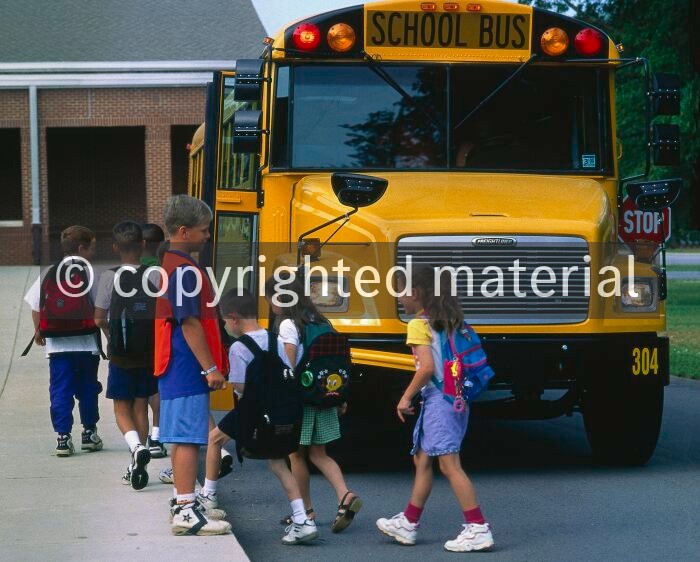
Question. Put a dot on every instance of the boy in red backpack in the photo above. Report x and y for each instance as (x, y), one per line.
(62, 303)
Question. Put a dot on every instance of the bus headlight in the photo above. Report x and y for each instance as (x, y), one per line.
(329, 295)
(638, 296)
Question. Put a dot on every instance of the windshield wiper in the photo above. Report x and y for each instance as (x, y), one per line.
(380, 71)
(495, 91)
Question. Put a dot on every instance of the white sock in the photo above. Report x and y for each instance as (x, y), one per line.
(175, 492)
(209, 486)
(224, 453)
(132, 439)
(298, 513)
(185, 498)
(155, 433)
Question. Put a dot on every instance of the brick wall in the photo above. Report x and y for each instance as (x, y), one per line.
(156, 109)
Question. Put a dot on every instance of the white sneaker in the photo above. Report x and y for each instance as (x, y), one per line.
(189, 519)
(126, 479)
(399, 528)
(473, 537)
(166, 475)
(210, 504)
(300, 533)
(210, 501)
(90, 441)
(64, 445)
(139, 461)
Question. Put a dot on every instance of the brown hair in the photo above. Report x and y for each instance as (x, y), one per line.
(443, 310)
(75, 236)
(242, 303)
(304, 311)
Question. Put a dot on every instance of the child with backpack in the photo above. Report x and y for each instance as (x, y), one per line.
(190, 360)
(268, 396)
(442, 423)
(299, 322)
(126, 312)
(63, 317)
(153, 236)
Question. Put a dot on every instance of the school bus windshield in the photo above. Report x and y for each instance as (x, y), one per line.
(348, 117)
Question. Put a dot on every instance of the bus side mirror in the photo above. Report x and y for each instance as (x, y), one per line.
(358, 190)
(249, 78)
(666, 145)
(665, 94)
(247, 134)
(655, 195)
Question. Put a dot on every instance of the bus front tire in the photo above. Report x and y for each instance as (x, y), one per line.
(623, 421)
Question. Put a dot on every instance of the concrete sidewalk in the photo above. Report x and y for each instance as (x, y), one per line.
(73, 508)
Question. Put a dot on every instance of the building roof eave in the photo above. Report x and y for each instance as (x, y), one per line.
(105, 80)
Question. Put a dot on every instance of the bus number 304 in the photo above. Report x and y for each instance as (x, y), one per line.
(645, 361)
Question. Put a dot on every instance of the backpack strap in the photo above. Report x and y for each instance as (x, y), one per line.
(253, 347)
(31, 343)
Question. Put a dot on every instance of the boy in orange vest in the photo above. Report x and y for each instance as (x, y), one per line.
(189, 359)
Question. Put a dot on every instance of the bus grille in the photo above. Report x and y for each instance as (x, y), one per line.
(480, 251)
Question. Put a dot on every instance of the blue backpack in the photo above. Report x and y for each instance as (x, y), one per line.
(465, 367)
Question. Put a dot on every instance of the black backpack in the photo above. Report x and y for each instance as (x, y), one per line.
(270, 411)
(324, 369)
(132, 322)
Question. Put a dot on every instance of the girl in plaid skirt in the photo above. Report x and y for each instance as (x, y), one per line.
(293, 311)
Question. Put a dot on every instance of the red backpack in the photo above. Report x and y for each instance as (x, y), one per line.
(65, 308)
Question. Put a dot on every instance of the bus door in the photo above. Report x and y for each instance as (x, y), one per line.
(236, 187)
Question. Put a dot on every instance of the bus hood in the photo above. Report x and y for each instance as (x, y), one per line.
(466, 203)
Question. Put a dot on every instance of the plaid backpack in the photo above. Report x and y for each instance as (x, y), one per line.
(466, 373)
(324, 369)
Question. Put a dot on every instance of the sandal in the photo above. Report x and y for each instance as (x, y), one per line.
(288, 520)
(346, 512)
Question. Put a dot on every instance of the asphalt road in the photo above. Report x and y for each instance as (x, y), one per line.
(537, 486)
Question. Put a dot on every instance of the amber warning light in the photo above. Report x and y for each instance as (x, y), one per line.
(554, 41)
(341, 37)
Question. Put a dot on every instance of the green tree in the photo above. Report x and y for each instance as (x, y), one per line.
(661, 32)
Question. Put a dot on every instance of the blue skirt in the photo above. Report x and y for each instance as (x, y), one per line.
(439, 429)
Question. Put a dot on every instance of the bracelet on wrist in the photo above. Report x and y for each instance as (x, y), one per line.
(210, 370)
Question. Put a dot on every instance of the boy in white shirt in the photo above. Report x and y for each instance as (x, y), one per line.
(63, 323)
(240, 315)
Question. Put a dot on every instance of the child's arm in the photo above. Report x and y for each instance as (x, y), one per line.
(424, 356)
(238, 388)
(291, 350)
(38, 339)
(194, 336)
(101, 320)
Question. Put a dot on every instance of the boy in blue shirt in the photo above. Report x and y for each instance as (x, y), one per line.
(189, 359)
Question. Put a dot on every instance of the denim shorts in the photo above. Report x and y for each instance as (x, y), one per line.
(127, 384)
(439, 429)
(185, 420)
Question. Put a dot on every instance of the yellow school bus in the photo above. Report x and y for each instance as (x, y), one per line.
(478, 137)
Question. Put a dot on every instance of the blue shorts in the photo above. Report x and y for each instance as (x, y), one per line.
(185, 420)
(439, 429)
(127, 384)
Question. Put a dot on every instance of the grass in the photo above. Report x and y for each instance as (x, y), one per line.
(683, 315)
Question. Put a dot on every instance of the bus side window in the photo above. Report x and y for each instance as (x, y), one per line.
(236, 170)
